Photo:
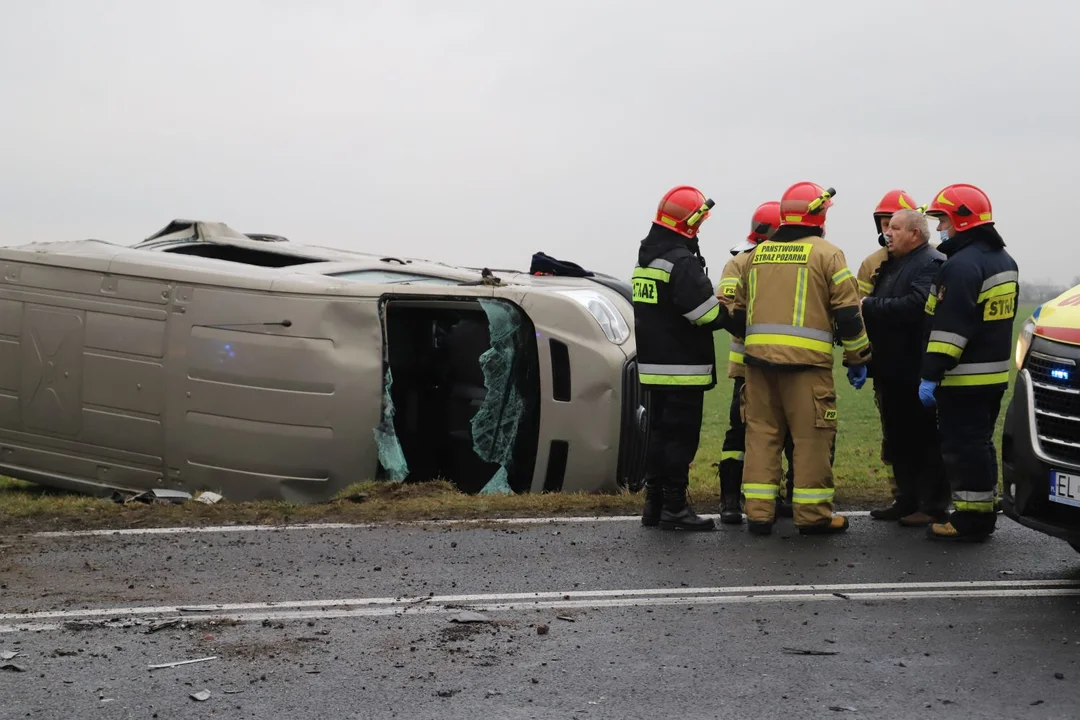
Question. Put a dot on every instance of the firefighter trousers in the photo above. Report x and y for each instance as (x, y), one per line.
(674, 434)
(803, 402)
(733, 452)
(967, 418)
(918, 468)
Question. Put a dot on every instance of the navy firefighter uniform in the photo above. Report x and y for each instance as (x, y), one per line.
(676, 312)
(965, 369)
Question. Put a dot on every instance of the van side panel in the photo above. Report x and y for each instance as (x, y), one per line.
(81, 377)
(125, 382)
(262, 411)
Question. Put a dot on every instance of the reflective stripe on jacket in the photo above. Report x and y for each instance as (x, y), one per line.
(971, 310)
(792, 292)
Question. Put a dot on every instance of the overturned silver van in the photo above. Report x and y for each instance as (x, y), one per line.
(203, 358)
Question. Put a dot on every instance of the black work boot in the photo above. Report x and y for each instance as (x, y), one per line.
(677, 513)
(654, 502)
(731, 501)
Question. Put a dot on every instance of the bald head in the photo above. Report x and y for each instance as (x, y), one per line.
(907, 231)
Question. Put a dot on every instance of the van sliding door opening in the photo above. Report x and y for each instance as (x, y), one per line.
(464, 388)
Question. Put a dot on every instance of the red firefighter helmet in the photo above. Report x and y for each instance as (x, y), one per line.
(805, 203)
(965, 205)
(683, 209)
(762, 225)
(892, 201)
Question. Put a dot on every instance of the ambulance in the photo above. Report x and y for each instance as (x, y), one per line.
(1040, 446)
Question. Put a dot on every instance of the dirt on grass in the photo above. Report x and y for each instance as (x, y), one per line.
(27, 508)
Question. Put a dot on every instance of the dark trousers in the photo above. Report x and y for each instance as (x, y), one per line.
(968, 418)
(674, 434)
(912, 429)
(733, 451)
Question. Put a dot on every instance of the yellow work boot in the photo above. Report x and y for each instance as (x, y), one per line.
(836, 524)
(946, 531)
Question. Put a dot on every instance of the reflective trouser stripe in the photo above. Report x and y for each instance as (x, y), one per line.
(732, 455)
(809, 496)
(973, 500)
(760, 491)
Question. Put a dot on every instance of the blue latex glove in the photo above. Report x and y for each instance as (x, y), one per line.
(926, 392)
(856, 375)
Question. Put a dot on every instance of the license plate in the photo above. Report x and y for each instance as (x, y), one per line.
(1065, 488)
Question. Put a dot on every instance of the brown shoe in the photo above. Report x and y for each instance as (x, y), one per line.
(917, 519)
(946, 531)
(837, 524)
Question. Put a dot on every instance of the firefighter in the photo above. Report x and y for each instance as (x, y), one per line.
(965, 369)
(805, 288)
(891, 202)
(763, 224)
(675, 313)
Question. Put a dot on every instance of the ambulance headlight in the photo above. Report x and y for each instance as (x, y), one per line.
(605, 313)
(1023, 340)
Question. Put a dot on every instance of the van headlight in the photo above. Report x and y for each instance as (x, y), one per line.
(605, 313)
(1023, 340)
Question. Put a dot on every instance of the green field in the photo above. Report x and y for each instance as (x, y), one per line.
(861, 482)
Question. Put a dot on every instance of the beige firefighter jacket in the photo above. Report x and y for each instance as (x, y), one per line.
(868, 271)
(793, 294)
(730, 279)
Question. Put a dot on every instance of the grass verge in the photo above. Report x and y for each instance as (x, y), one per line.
(861, 482)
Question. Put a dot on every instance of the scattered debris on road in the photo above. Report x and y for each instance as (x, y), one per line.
(800, 651)
(181, 662)
(842, 708)
(9, 655)
(542, 629)
(567, 618)
(210, 498)
(201, 696)
(12, 667)
(164, 624)
(469, 616)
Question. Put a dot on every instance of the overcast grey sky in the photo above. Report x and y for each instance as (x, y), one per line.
(480, 131)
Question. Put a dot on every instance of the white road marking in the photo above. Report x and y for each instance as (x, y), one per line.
(508, 602)
(189, 529)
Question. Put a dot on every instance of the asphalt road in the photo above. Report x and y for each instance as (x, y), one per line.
(585, 620)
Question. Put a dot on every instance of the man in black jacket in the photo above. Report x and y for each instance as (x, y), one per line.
(675, 313)
(895, 322)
